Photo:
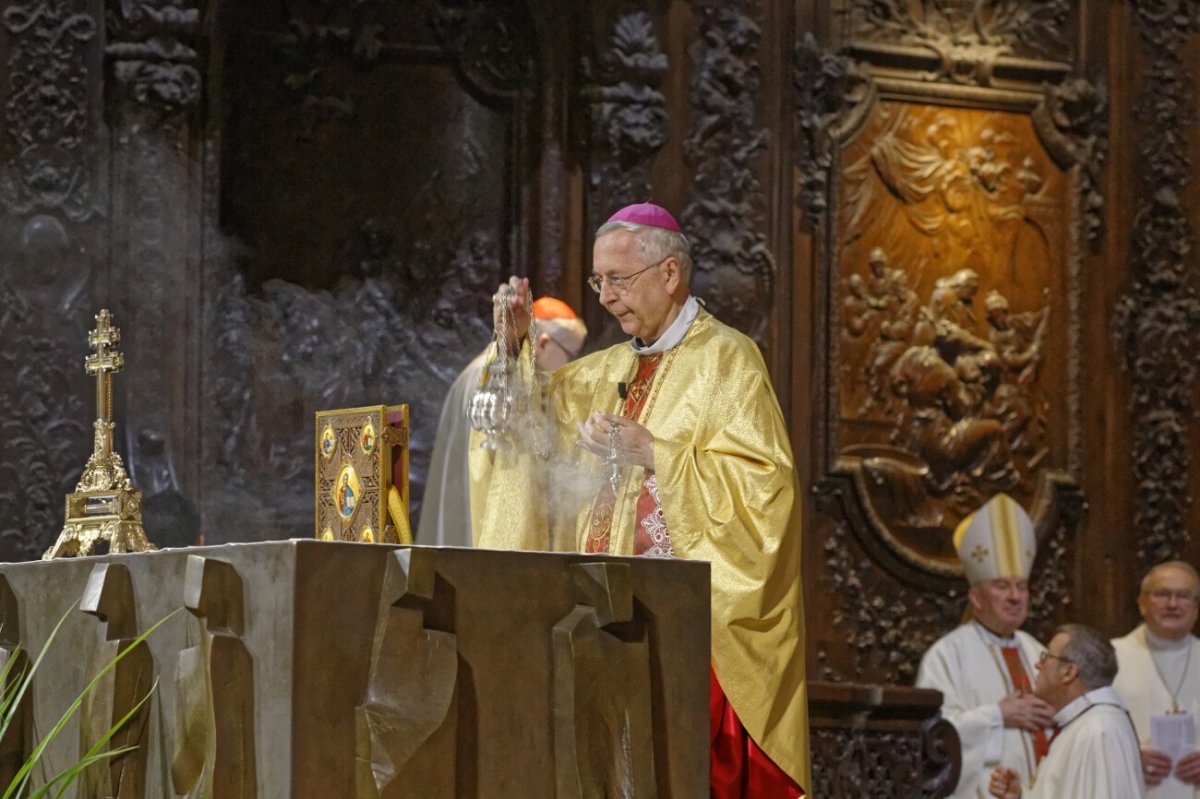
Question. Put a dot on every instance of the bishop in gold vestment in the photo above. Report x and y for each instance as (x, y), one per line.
(672, 445)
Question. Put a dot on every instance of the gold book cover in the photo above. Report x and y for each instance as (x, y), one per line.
(361, 474)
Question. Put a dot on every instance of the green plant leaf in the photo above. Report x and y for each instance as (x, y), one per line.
(97, 752)
(73, 772)
(22, 777)
(27, 677)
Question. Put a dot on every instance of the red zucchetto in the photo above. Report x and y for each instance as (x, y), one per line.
(552, 308)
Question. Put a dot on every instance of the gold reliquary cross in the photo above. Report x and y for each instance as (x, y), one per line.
(104, 505)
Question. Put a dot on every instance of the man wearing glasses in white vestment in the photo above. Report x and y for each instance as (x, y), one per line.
(1159, 680)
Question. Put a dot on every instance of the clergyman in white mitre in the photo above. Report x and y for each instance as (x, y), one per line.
(985, 668)
(1159, 679)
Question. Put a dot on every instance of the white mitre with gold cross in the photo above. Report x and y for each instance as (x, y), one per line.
(996, 541)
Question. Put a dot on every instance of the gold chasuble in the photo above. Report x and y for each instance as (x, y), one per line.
(729, 496)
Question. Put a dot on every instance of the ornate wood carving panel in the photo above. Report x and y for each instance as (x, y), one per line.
(44, 425)
(965, 42)
(950, 192)
(49, 116)
(1157, 320)
(873, 741)
(682, 114)
(625, 112)
(952, 314)
(725, 148)
(50, 234)
(152, 52)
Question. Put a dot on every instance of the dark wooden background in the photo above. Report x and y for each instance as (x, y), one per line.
(300, 205)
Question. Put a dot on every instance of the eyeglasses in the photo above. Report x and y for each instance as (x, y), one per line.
(1165, 595)
(1047, 654)
(618, 283)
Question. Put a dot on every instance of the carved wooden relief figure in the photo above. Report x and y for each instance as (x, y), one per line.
(953, 264)
(214, 683)
(603, 744)
(109, 597)
(407, 723)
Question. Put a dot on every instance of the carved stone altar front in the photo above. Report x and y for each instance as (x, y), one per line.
(319, 669)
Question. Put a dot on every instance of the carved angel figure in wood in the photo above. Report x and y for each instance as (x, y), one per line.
(947, 217)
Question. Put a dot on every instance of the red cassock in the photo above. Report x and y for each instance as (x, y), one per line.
(738, 769)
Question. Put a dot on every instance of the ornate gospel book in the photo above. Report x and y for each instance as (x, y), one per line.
(361, 474)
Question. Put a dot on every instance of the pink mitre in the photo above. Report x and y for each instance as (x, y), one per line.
(647, 214)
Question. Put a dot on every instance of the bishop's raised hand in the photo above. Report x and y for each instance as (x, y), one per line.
(512, 310)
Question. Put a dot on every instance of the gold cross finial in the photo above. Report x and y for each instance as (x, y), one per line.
(104, 361)
(102, 340)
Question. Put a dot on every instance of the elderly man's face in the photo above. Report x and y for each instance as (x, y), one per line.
(1000, 605)
(1169, 603)
(1055, 673)
(644, 308)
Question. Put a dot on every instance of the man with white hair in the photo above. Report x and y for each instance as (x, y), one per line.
(1158, 681)
(672, 445)
(445, 510)
(1094, 750)
(984, 668)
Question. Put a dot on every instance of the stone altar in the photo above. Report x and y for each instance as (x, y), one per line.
(327, 669)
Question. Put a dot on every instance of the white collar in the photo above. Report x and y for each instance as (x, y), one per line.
(992, 638)
(1100, 696)
(1157, 644)
(673, 334)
